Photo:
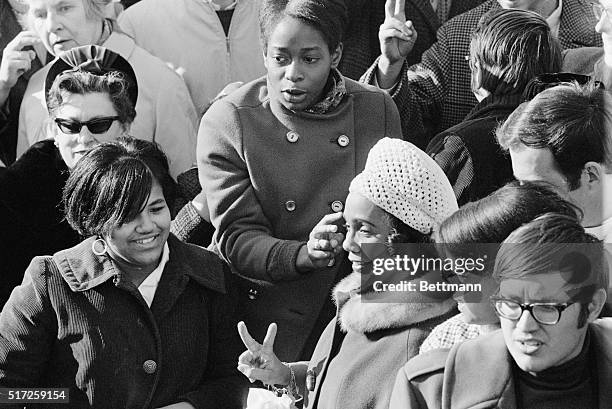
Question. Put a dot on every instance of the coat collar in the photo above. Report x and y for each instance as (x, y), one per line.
(83, 270)
(493, 369)
(410, 308)
(494, 104)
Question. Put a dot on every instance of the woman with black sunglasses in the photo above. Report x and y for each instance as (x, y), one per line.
(91, 93)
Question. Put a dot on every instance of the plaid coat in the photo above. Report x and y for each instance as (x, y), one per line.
(435, 94)
(361, 45)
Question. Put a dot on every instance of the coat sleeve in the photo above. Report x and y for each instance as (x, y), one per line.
(243, 232)
(420, 91)
(449, 151)
(176, 123)
(27, 329)
(223, 387)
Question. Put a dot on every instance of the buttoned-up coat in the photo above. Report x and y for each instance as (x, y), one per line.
(77, 322)
(435, 94)
(270, 175)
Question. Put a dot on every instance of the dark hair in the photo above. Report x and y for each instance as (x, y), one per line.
(571, 120)
(492, 218)
(84, 82)
(511, 47)
(111, 184)
(329, 17)
(555, 243)
(402, 233)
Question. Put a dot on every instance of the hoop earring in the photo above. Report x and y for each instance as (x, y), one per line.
(96, 242)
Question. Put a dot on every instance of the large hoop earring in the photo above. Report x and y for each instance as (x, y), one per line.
(95, 247)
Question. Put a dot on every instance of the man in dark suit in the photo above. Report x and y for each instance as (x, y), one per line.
(435, 94)
(508, 49)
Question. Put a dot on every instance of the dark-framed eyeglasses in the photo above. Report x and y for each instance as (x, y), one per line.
(95, 126)
(542, 312)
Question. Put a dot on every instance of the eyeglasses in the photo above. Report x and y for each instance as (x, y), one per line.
(95, 126)
(544, 313)
(599, 10)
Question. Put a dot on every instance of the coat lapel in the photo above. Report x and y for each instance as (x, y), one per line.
(493, 370)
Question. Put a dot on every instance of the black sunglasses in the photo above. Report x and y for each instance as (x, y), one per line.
(95, 126)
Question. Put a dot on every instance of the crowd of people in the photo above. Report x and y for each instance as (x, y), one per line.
(352, 204)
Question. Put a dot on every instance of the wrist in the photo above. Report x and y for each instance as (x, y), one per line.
(303, 264)
(285, 375)
(388, 71)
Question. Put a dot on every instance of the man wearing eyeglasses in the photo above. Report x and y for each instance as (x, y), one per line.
(551, 352)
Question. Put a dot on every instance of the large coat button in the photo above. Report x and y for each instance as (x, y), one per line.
(252, 294)
(337, 206)
(343, 141)
(290, 205)
(293, 136)
(149, 366)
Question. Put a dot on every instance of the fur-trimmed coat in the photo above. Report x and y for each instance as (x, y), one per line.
(365, 344)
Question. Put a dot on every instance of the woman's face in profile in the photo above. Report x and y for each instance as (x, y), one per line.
(140, 242)
(73, 138)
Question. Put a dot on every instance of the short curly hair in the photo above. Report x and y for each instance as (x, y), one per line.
(83, 82)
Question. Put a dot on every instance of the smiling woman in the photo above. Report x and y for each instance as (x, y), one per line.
(147, 320)
(88, 85)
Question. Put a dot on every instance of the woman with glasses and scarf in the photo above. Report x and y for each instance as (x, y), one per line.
(91, 94)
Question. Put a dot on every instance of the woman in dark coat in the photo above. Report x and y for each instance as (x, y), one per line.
(99, 85)
(131, 317)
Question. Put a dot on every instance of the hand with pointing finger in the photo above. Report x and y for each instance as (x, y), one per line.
(324, 244)
(16, 61)
(258, 362)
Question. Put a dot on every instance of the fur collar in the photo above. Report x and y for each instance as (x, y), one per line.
(365, 317)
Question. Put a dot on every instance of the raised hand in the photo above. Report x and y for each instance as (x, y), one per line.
(16, 61)
(258, 362)
(396, 35)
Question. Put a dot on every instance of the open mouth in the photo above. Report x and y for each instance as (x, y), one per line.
(530, 346)
(294, 94)
(147, 240)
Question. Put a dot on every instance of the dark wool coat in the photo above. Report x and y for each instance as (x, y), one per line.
(436, 94)
(469, 154)
(443, 379)
(77, 322)
(270, 175)
(361, 44)
(31, 214)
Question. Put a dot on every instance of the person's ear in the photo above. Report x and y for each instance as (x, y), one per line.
(596, 305)
(336, 56)
(592, 173)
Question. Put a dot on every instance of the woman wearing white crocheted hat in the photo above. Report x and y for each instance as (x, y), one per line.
(401, 197)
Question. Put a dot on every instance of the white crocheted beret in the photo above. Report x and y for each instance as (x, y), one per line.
(406, 182)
